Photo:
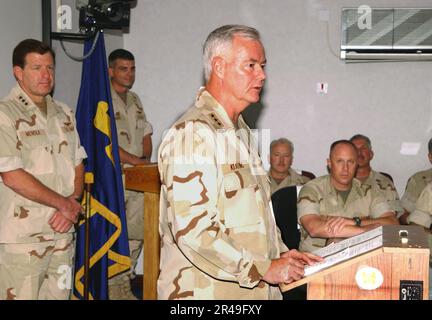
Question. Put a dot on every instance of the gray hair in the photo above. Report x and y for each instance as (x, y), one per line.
(282, 141)
(220, 39)
(361, 136)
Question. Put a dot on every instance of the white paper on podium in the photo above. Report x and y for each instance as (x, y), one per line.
(347, 249)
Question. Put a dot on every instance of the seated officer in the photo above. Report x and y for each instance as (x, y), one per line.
(422, 214)
(281, 174)
(338, 205)
(368, 176)
(415, 185)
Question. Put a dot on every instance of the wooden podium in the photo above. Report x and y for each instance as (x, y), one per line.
(146, 179)
(402, 267)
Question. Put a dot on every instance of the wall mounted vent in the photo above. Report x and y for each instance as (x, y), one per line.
(373, 34)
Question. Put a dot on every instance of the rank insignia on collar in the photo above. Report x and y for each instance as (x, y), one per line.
(216, 120)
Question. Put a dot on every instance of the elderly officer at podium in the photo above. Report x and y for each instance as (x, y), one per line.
(42, 177)
(338, 205)
(219, 239)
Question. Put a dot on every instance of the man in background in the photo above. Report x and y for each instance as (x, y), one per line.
(281, 158)
(415, 185)
(370, 177)
(337, 205)
(135, 148)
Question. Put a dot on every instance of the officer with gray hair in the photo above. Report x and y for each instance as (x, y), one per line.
(281, 174)
(219, 239)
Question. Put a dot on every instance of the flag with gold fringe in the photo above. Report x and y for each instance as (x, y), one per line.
(109, 248)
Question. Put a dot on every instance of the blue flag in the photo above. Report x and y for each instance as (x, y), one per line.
(109, 248)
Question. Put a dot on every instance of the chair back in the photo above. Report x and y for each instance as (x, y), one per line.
(285, 210)
(308, 174)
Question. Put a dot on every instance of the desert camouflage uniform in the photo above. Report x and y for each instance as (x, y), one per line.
(422, 215)
(415, 185)
(319, 197)
(47, 147)
(218, 233)
(293, 179)
(384, 184)
(132, 126)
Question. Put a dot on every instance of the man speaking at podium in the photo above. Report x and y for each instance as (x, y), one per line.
(219, 239)
(337, 205)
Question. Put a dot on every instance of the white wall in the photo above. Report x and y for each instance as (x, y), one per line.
(68, 71)
(26, 23)
(389, 102)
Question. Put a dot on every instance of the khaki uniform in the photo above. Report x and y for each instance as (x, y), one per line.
(132, 126)
(217, 228)
(319, 197)
(422, 215)
(386, 186)
(293, 179)
(415, 185)
(47, 147)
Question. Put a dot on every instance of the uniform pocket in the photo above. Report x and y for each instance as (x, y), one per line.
(36, 151)
(241, 206)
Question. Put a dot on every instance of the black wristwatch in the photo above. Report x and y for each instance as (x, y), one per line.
(357, 221)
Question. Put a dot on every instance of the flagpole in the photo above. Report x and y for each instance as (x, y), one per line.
(88, 181)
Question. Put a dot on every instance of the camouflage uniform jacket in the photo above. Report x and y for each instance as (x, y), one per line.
(218, 233)
(47, 147)
(415, 185)
(385, 185)
(292, 179)
(319, 197)
(131, 122)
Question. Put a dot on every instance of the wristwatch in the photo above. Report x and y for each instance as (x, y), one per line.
(357, 221)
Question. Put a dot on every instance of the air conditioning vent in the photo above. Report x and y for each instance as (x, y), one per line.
(386, 34)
